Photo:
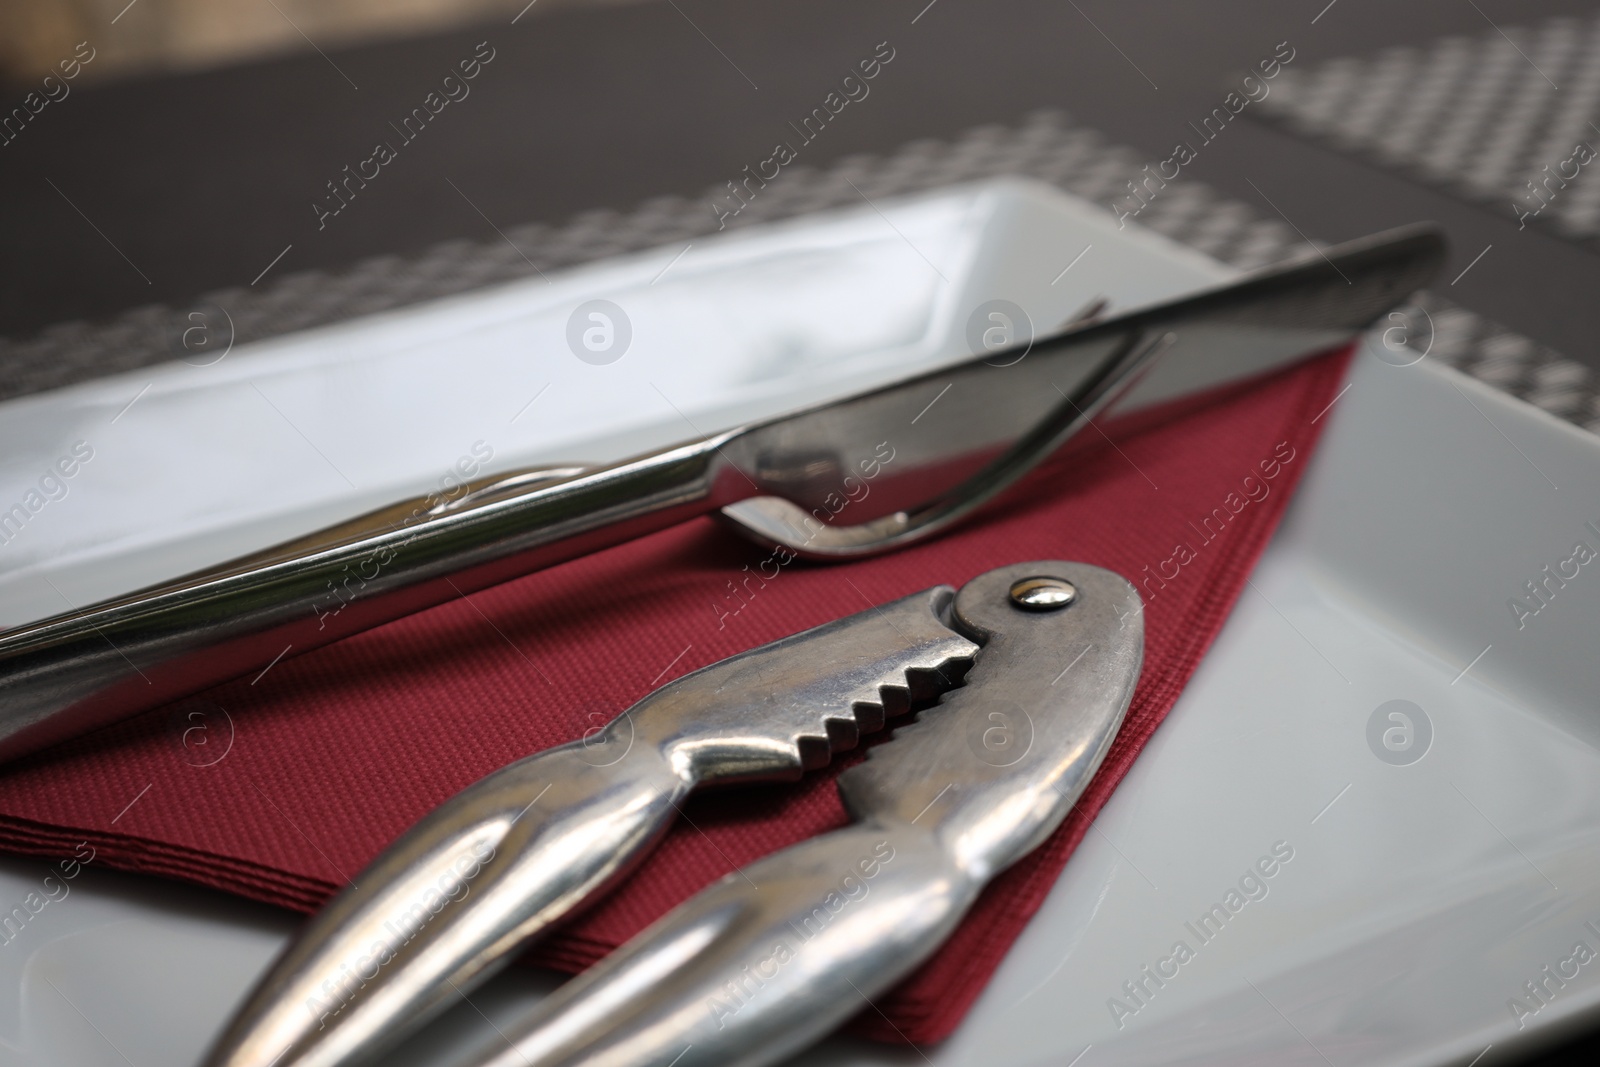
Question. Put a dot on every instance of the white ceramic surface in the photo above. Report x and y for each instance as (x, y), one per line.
(287, 435)
(1419, 899)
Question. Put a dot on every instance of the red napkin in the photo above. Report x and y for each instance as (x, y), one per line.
(281, 788)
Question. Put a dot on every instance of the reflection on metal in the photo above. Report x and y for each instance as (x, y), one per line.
(981, 779)
(768, 960)
(446, 906)
(781, 481)
(1043, 594)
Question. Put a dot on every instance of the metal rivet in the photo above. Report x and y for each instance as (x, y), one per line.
(1043, 594)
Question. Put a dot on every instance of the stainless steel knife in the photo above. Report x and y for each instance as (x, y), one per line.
(780, 481)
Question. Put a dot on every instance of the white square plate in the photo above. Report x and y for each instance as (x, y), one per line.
(1420, 896)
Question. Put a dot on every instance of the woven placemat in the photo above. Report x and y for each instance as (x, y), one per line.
(1045, 146)
(1497, 118)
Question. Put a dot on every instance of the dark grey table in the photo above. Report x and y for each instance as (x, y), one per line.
(199, 181)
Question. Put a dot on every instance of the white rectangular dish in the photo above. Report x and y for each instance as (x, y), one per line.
(1412, 896)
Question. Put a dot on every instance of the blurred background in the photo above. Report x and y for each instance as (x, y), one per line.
(171, 36)
(193, 146)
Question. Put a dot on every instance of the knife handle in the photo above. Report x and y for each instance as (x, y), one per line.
(66, 675)
(444, 907)
(758, 965)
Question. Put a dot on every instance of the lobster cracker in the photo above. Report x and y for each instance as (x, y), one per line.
(775, 956)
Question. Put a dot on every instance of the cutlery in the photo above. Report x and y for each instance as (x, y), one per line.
(856, 476)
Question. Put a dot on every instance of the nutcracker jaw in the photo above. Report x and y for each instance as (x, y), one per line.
(447, 904)
(780, 953)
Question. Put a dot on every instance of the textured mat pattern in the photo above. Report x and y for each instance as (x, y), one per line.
(1497, 117)
(1045, 146)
